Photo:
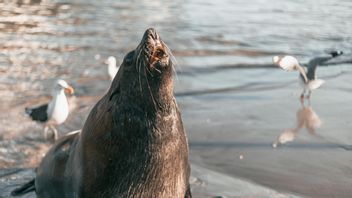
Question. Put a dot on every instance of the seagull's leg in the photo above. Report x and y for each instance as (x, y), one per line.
(46, 129)
(309, 93)
(302, 98)
(302, 94)
(55, 134)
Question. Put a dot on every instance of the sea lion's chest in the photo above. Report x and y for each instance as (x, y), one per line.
(141, 156)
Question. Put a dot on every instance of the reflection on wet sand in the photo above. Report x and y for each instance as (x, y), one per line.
(307, 118)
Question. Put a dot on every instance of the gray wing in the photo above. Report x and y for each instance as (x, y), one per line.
(38, 113)
(312, 65)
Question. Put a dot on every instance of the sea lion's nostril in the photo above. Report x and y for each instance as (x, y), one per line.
(159, 53)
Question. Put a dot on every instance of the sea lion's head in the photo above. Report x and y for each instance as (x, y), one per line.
(145, 75)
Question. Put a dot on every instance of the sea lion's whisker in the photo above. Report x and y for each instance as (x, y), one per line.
(150, 73)
(138, 58)
(139, 80)
(173, 60)
(174, 71)
(172, 57)
(150, 91)
(139, 65)
(157, 70)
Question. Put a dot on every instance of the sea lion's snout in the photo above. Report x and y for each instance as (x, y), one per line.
(151, 39)
(158, 53)
(151, 32)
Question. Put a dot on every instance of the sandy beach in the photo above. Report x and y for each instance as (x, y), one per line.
(235, 103)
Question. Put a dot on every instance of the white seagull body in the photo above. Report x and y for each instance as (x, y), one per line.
(112, 67)
(54, 113)
(58, 108)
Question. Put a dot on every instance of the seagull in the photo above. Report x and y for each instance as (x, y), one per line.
(112, 68)
(56, 111)
(308, 78)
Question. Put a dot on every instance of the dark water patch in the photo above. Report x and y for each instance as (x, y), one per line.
(268, 145)
(61, 34)
(260, 86)
(349, 90)
(19, 45)
(346, 58)
(9, 171)
(234, 52)
(190, 70)
(339, 74)
(219, 39)
(39, 8)
(10, 26)
(14, 179)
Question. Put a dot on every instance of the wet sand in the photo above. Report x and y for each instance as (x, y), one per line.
(233, 132)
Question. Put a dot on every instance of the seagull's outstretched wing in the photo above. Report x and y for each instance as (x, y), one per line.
(290, 63)
(313, 63)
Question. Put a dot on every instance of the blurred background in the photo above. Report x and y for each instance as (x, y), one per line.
(235, 103)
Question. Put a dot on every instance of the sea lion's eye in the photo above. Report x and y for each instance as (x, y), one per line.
(129, 58)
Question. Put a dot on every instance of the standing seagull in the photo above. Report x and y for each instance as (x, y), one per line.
(308, 79)
(112, 67)
(56, 111)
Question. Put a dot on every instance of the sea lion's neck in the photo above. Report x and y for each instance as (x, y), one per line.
(152, 95)
(136, 114)
(161, 98)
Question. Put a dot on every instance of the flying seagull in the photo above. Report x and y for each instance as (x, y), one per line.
(308, 78)
(56, 111)
(112, 67)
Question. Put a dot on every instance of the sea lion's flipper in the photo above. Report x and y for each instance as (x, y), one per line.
(188, 192)
(26, 188)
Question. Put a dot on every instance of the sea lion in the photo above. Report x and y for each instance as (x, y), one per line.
(133, 143)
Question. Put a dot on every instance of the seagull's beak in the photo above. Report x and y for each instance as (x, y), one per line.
(69, 90)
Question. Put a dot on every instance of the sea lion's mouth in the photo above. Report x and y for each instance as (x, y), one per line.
(155, 50)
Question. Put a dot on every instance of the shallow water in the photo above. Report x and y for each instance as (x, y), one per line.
(232, 98)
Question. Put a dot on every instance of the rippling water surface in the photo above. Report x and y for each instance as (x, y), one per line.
(47, 39)
(213, 41)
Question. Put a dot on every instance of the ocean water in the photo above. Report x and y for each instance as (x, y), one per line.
(70, 39)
